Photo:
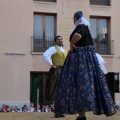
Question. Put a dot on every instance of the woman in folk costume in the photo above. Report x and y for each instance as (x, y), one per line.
(55, 57)
(82, 86)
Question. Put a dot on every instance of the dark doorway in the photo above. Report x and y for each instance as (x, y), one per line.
(37, 84)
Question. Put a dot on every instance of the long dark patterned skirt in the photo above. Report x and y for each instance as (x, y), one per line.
(52, 82)
(83, 85)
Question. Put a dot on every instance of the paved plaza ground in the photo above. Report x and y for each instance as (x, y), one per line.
(50, 116)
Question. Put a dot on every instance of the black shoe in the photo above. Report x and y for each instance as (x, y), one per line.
(61, 115)
(83, 118)
(57, 115)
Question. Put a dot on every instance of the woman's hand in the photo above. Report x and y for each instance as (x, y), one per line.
(53, 66)
(72, 47)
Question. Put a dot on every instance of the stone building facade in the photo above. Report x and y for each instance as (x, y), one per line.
(28, 27)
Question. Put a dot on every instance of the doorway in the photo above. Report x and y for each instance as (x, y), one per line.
(37, 87)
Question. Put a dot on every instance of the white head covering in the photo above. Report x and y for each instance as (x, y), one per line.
(82, 20)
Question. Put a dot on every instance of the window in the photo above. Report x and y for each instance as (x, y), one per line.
(99, 31)
(46, 0)
(100, 2)
(44, 32)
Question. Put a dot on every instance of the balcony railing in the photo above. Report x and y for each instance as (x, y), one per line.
(105, 47)
(100, 2)
(40, 44)
(46, 0)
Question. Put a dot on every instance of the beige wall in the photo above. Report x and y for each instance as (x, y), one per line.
(16, 29)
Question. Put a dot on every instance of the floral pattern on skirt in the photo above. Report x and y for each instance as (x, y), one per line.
(83, 85)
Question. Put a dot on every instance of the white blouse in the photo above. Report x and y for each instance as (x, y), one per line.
(49, 52)
(101, 63)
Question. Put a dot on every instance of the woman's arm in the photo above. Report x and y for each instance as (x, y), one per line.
(76, 37)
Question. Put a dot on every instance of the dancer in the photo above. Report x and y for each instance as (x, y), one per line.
(55, 57)
(83, 85)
